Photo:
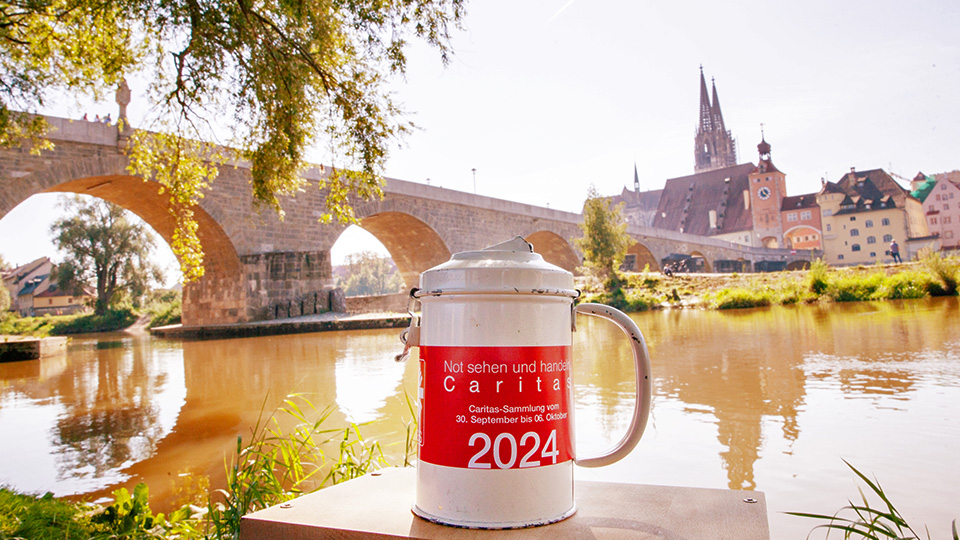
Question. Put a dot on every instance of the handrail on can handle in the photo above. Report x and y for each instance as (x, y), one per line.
(641, 409)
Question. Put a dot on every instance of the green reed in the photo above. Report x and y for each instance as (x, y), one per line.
(868, 520)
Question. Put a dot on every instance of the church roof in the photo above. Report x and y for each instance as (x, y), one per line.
(686, 202)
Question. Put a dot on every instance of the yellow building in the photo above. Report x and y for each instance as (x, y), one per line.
(53, 301)
(864, 213)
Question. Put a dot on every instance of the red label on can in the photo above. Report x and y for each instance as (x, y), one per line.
(495, 407)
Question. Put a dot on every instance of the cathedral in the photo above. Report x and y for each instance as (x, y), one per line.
(738, 203)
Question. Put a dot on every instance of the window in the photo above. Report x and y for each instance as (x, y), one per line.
(933, 221)
(828, 227)
(943, 186)
(840, 257)
(888, 238)
(856, 247)
(885, 221)
(868, 224)
(853, 218)
(946, 206)
(937, 196)
(805, 214)
(946, 219)
(792, 216)
(873, 253)
(871, 239)
(948, 234)
(951, 194)
(854, 232)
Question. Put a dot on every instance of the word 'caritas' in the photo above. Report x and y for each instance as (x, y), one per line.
(450, 384)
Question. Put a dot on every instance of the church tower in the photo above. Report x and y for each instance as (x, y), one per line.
(714, 145)
(768, 187)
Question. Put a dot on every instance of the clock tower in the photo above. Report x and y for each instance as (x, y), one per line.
(768, 187)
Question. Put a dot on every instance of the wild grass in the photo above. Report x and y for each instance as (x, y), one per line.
(274, 467)
(41, 517)
(934, 276)
(868, 519)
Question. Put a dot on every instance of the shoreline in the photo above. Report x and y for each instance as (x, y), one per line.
(324, 322)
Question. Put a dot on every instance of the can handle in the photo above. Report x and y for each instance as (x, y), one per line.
(641, 408)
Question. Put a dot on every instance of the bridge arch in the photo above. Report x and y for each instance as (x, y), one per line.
(554, 249)
(107, 180)
(643, 257)
(706, 262)
(414, 245)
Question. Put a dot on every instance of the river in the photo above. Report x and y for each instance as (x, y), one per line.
(766, 399)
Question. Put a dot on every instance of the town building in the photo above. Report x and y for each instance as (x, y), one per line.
(29, 276)
(33, 292)
(800, 216)
(863, 213)
(940, 197)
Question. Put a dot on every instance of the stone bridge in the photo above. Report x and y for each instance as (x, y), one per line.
(258, 267)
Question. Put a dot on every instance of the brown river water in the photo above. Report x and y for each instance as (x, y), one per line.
(768, 399)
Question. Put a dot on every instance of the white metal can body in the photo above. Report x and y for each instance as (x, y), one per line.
(496, 411)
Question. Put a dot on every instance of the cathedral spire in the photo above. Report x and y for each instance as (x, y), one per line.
(636, 179)
(714, 147)
(717, 116)
(706, 116)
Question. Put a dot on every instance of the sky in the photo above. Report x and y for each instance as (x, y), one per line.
(544, 98)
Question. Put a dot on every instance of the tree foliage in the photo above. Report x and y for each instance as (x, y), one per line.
(4, 299)
(605, 240)
(370, 274)
(280, 77)
(103, 247)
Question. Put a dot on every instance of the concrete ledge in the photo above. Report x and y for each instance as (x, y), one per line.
(379, 507)
(16, 348)
(295, 325)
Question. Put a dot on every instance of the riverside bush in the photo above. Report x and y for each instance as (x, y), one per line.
(165, 314)
(910, 284)
(854, 287)
(741, 298)
(112, 320)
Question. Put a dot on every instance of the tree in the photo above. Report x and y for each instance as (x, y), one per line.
(4, 299)
(369, 273)
(103, 246)
(282, 77)
(605, 240)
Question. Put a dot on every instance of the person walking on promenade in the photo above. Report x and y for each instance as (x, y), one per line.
(895, 252)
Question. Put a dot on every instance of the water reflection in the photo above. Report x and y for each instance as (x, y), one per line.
(107, 408)
(768, 399)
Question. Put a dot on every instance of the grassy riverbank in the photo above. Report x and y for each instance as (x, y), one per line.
(933, 276)
(162, 310)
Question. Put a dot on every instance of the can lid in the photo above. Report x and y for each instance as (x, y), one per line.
(508, 267)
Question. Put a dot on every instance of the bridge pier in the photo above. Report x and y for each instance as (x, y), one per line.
(267, 286)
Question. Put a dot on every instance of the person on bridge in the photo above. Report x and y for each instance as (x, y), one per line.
(895, 252)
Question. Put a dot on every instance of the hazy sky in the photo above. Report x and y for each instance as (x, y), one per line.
(545, 97)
